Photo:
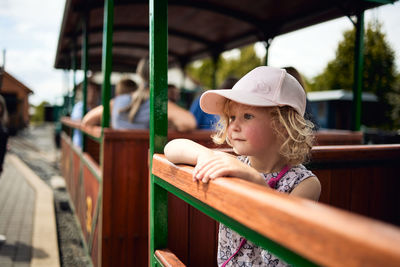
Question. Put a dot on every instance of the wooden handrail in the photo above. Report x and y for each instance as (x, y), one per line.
(94, 131)
(168, 259)
(320, 233)
(347, 153)
(355, 153)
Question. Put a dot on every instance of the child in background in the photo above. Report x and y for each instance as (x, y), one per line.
(132, 111)
(261, 117)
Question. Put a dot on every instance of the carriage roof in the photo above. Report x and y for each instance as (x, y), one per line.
(196, 28)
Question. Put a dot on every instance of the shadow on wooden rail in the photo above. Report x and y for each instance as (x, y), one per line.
(323, 234)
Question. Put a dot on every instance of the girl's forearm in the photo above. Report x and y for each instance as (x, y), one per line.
(185, 151)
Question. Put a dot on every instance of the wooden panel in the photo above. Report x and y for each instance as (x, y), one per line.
(202, 249)
(324, 177)
(125, 210)
(178, 228)
(126, 221)
(328, 235)
(361, 190)
(125, 198)
(93, 149)
(91, 191)
(341, 188)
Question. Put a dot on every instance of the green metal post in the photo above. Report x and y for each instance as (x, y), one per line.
(358, 72)
(74, 67)
(84, 61)
(158, 39)
(215, 58)
(267, 44)
(85, 67)
(107, 60)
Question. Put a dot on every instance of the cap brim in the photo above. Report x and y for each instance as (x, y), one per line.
(213, 101)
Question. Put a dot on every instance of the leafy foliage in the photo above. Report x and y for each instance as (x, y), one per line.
(379, 76)
(379, 64)
(233, 67)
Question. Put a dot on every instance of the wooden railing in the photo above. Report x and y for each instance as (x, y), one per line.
(346, 174)
(299, 231)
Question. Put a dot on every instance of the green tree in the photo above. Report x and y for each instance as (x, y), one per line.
(38, 116)
(379, 76)
(236, 67)
(379, 64)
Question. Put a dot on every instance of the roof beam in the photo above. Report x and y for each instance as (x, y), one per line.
(210, 7)
(145, 28)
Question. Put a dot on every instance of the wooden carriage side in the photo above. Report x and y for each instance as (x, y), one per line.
(108, 180)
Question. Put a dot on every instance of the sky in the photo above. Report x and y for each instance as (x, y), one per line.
(29, 32)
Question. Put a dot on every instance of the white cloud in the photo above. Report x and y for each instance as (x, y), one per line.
(29, 34)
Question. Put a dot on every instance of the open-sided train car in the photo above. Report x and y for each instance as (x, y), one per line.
(108, 180)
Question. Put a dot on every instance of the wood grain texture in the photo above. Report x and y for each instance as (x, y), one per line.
(94, 131)
(168, 259)
(349, 153)
(338, 137)
(324, 234)
(123, 228)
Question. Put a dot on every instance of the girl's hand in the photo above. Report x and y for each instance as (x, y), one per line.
(221, 165)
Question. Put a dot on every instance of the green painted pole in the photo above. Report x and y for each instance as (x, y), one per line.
(74, 68)
(106, 64)
(158, 39)
(215, 58)
(267, 44)
(358, 72)
(85, 67)
(84, 61)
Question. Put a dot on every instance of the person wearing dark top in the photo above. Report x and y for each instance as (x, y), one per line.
(3, 142)
(204, 120)
(3, 131)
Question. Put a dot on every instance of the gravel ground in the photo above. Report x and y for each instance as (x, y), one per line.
(35, 146)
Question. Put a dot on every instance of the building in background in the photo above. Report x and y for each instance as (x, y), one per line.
(332, 109)
(16, 95)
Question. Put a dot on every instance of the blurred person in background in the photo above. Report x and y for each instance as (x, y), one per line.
(308, 115)
(204, 120)
(92, 100)
(3, 142)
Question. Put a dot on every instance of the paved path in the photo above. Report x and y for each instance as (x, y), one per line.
(17, 199)
(26, 218)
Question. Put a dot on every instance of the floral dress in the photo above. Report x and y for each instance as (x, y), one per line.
(250, 254)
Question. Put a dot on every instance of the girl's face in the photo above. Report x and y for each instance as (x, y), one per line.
(249, 131)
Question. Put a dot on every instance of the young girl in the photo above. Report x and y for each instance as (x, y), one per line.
(261, 117)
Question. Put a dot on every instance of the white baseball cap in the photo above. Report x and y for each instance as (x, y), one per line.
(262, 87)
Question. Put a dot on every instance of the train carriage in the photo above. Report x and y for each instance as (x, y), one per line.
(130, 216)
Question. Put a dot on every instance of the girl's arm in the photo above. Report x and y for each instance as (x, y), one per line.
(310, 188)
(182, 119)
(185, 151)
(209, 164)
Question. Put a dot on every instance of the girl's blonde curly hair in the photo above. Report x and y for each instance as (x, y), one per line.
(291, 129)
